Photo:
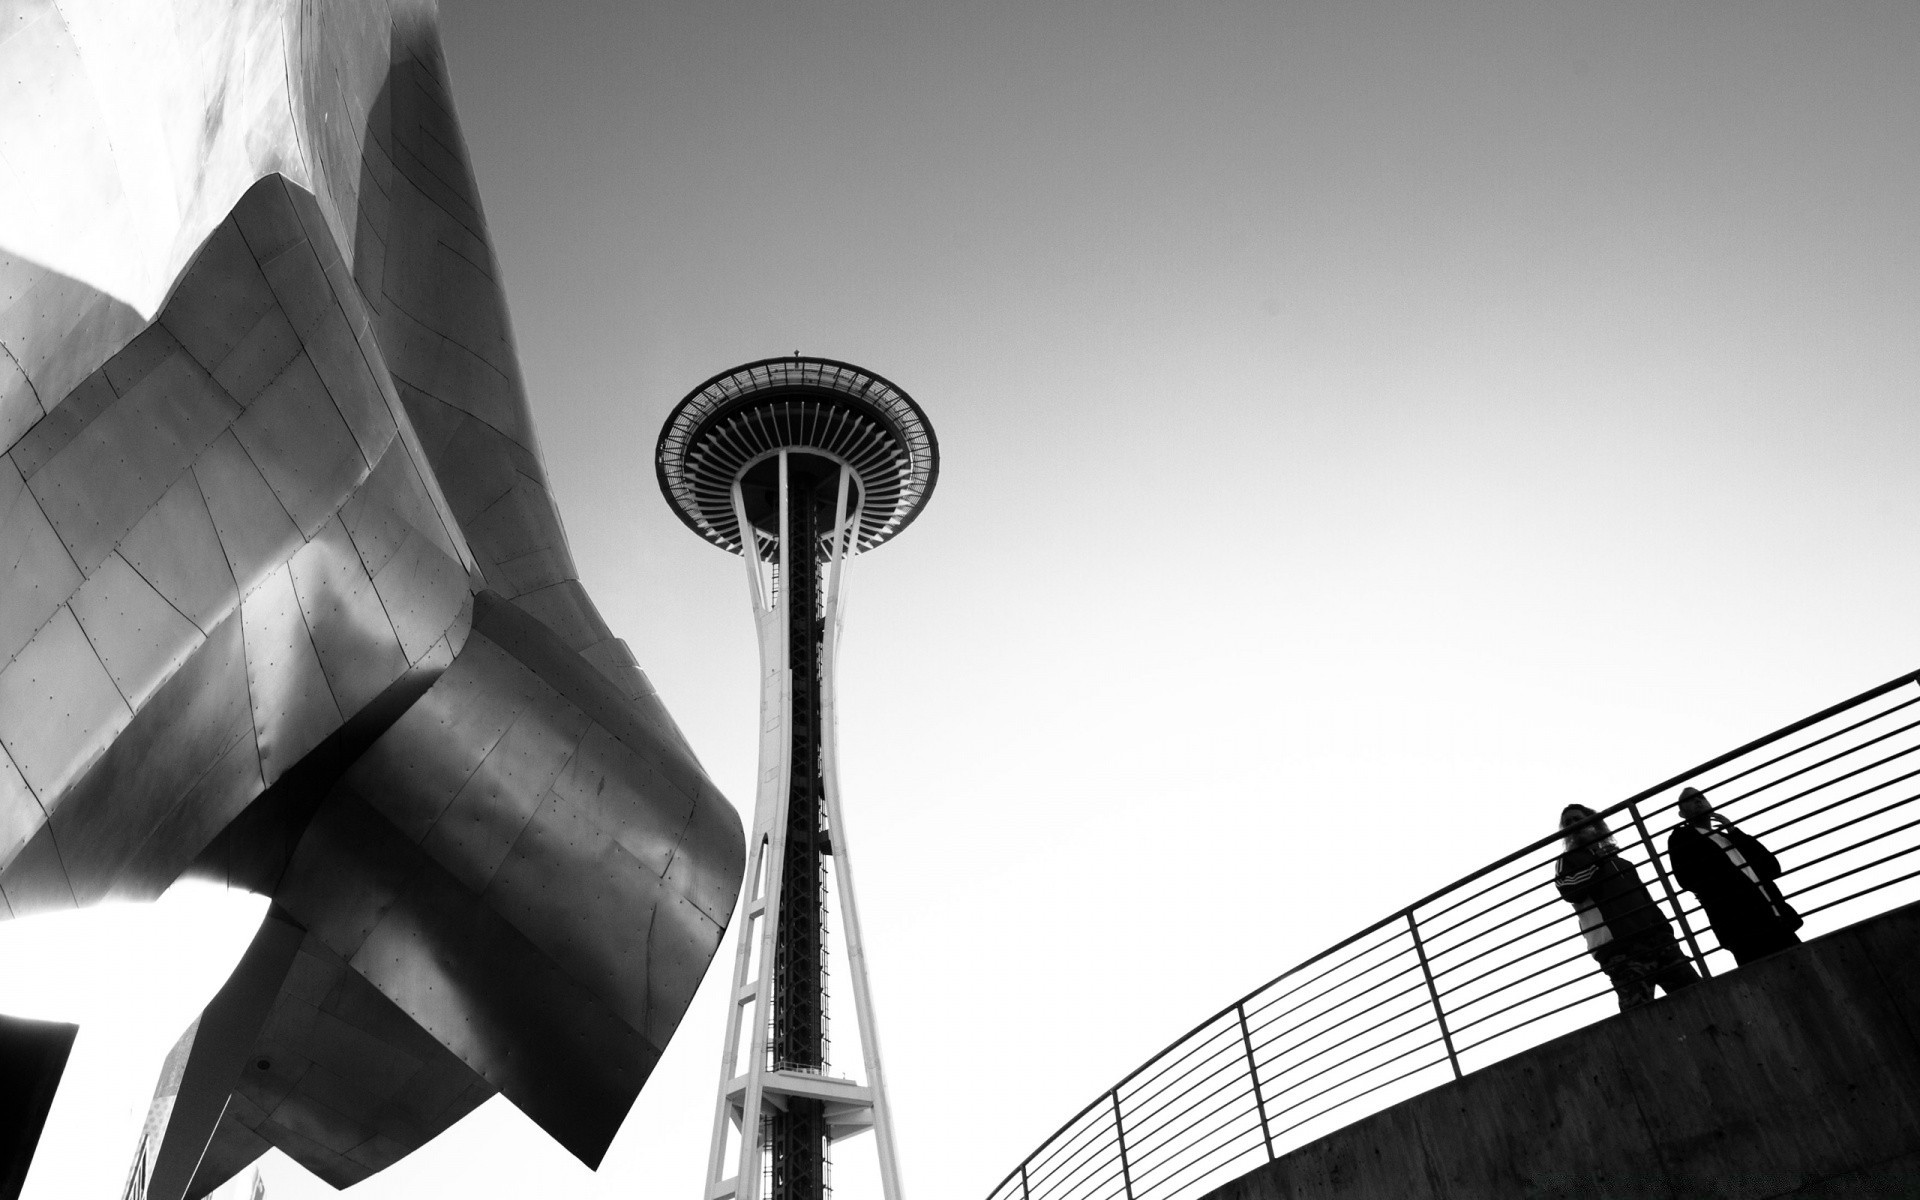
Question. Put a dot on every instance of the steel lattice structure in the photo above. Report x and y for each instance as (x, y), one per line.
(808, 461)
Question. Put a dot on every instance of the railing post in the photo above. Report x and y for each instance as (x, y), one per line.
(1439, 1013)
(1253, 1073)
(1024, 1193)
(1673, 898)
(1120, 1135)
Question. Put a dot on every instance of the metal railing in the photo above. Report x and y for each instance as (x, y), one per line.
(1488, 966)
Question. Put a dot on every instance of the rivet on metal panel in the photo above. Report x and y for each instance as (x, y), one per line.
(62, 708)
(293, 708)
(139, 637)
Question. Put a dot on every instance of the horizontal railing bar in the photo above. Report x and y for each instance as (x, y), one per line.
(1070, 1156)
(1484, 1018)
(1361, 1053)
(1389, 945)
(1850, 847)
(1854, 871)
(1553, 901)
(1278, 1075)
(1436, 946)
(1067, 1159)
(1862, 892)
(1169, 1079)
(1503, 881)
(1544, 991)
(1832, 758)
(1410, 969)
(1141, 1155)
(1819, 741)
(1843, 800)
(1082, 1179)
(1411, 988)
(1138, 1117)
(1173, 1168)
(1602, 993)
(1838, 779)
(1069, 1171)
(1575, 957)
(1426, 1066)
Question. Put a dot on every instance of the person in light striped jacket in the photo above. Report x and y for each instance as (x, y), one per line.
(1625, 931)
(1733, 875)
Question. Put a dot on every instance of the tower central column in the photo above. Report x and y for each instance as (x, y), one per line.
(797, 1135)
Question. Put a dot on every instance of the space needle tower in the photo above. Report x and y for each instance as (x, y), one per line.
(796, 464)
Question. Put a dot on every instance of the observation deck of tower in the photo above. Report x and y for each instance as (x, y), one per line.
(796, 464)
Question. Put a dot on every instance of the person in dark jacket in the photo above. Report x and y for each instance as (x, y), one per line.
(1625, 931)
(1732, 874)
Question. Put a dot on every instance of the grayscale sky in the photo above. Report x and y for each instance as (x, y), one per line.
(1365, 428)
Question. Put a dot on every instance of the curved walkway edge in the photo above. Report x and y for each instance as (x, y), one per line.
(1796, 1076)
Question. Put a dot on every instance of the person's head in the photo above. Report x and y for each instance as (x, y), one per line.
(1694, 808)
(1581, 826)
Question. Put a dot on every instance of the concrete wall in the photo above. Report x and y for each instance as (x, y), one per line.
(1796, 1076)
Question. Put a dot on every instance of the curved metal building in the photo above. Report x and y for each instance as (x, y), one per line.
(796, 464)
(285, 599)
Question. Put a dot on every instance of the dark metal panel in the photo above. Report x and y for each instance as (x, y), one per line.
(414, 771)
(293, 709)
(680, 943)
(35, 881)
(530, 572)
(702, 871)
(435, 422)
(346, 873)
(358, 649)
(474, 833)
(233, 1149)
(62, 710)
(219, 299)
(138, 635)
(85, 402)
(33, 1057)
(307, 1113)
(315, 306)
(262, 353)
(501, 1005)
(255, 532)
(423, 591)
(350, 1083)
(444, 531)
(616, 790)
(209, 806)
(175, 548)
(561, 852)
(169, 746)
(36, 573)
(490, 476)
(103, 481)
(376, 1068)
(640, 723)
(298, 439)
(266, 218)
(390, 504)
(564, 608)
(140, 358)
(613, 659)
(519, 523)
